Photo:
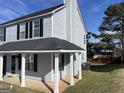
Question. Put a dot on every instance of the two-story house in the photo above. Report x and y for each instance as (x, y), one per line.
(47, 45)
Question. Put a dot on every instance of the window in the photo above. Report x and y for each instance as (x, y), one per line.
(1, 34)
(22, 31)
(29, 62)
(36, 28)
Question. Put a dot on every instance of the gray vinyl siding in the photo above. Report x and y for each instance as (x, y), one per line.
(11, 33)
(44, 71)
(45, 68)
(59, 24)
(47, 27)
(68, 36)
(78, 30)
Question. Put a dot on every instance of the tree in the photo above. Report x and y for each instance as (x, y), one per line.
(89, 44)
(113, 21)
(106, 38)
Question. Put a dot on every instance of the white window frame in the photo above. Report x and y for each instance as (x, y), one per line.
(22, 28)
(29, 62)
(35, 28)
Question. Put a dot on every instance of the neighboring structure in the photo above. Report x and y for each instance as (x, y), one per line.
(48, 45)
(103, 51)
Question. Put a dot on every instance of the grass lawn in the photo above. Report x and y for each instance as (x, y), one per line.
(101, 79)
(18, 89)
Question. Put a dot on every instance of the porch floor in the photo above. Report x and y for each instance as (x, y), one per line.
(38, 85)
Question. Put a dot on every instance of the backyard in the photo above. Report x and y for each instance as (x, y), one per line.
(100, 79)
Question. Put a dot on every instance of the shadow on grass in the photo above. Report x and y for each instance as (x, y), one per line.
(116, 64)
(106, 68)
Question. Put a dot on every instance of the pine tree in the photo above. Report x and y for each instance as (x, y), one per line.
(113, 21)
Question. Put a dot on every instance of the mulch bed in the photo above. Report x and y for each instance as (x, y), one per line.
(101, 60)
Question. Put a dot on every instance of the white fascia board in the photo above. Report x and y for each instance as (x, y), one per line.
(71, 51)
(58, 9)
(43, 51)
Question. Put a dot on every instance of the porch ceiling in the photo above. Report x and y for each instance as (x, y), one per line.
(40, 45)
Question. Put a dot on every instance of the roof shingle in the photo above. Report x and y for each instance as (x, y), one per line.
(39, 44)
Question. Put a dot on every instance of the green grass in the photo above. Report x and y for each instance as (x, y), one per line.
(101, 79)
(18, 89)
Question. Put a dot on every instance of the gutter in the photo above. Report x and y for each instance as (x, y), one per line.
(43, 51)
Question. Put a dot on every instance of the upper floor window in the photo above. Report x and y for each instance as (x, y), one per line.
(1, 34)
(36, 28)
(22, 30)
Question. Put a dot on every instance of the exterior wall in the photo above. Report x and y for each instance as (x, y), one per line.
(8, 64)
(47, 27)
(59, 24)
(44, 71)
(75, 29)
(76, 61)
(68, 36)
(67, 66)
(11, 33)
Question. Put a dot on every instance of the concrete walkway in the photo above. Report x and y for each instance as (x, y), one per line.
(38, 85)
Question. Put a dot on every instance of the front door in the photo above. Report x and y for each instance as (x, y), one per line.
(13, 64)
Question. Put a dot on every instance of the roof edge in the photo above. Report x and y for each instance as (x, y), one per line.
(29, 18)
(44, 51)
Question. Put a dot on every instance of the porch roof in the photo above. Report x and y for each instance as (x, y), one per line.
(43, 44)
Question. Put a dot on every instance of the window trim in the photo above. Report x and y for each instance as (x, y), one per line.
(24, 24)
(33, 28)
(28, 62)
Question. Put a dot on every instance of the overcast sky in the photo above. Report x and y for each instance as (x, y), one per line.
(92, 10)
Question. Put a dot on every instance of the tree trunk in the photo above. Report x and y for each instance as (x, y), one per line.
(122, 40)
(122, 53)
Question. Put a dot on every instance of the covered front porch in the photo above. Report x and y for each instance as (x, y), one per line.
(54, 47)
(38, 85)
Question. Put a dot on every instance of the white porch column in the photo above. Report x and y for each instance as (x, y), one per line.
(52, 69)
(1, 67)
(71, 69)
(23, 71)
(79, 65)
(56, 77)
